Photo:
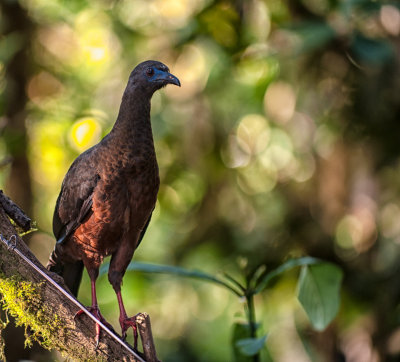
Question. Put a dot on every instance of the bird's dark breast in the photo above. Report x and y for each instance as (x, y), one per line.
(123, 201)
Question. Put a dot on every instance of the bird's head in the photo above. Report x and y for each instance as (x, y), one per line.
(150, 76)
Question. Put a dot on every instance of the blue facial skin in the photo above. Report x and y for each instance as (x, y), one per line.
(164, 77)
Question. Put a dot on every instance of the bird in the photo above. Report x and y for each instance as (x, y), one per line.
(108, 195)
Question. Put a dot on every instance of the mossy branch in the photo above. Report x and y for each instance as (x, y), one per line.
(45, 312)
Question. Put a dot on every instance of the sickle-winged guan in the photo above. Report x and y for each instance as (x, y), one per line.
(109, 193)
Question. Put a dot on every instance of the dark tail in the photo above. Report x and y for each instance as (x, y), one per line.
(70, 271)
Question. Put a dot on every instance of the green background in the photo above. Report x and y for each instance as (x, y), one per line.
(283, 141)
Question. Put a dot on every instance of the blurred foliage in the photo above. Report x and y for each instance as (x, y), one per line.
(282, 142)
(318, 292)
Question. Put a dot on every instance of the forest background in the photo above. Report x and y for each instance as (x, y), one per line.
(282, 142)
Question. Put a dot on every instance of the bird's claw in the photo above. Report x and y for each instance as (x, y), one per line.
(125, 324)
(96, 312)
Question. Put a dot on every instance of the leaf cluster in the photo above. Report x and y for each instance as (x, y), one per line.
(318, 292)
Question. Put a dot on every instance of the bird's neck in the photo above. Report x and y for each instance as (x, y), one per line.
(133, 126)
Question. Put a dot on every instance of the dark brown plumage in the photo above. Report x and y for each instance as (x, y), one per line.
(109, 193)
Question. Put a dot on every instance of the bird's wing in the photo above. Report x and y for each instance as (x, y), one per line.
(144, 230)
(74, 203)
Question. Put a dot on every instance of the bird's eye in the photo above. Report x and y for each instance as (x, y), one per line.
(149, 71)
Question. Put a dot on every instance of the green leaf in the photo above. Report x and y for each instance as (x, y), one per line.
(251, 346)
(263, 283)
(174, 270)
(241, 330)
(318, 293)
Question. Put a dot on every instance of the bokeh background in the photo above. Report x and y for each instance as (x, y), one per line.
(283, 141)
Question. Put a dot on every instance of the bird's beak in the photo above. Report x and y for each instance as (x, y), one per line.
(166, 78)
(172, 79)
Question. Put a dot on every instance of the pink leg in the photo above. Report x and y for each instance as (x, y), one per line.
(94, 309)
(126, 322)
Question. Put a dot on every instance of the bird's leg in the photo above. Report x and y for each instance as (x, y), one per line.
(126, 322)
(94, 309)
(119, 262)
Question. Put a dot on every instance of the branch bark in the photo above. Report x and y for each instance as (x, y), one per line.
(144, 327)
(72, 337)
(15, 212)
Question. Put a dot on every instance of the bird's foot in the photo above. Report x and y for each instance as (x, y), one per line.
(94, 309)
(125, 323)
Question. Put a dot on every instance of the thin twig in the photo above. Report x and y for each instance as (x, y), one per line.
(144, 326)
(234, 281)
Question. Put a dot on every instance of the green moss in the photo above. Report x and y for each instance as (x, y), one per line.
(21, 232)
(3, 325)
(23, 301)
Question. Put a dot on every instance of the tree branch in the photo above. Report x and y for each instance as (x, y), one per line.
(49, 314)
(15, 212)
(144, 327)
